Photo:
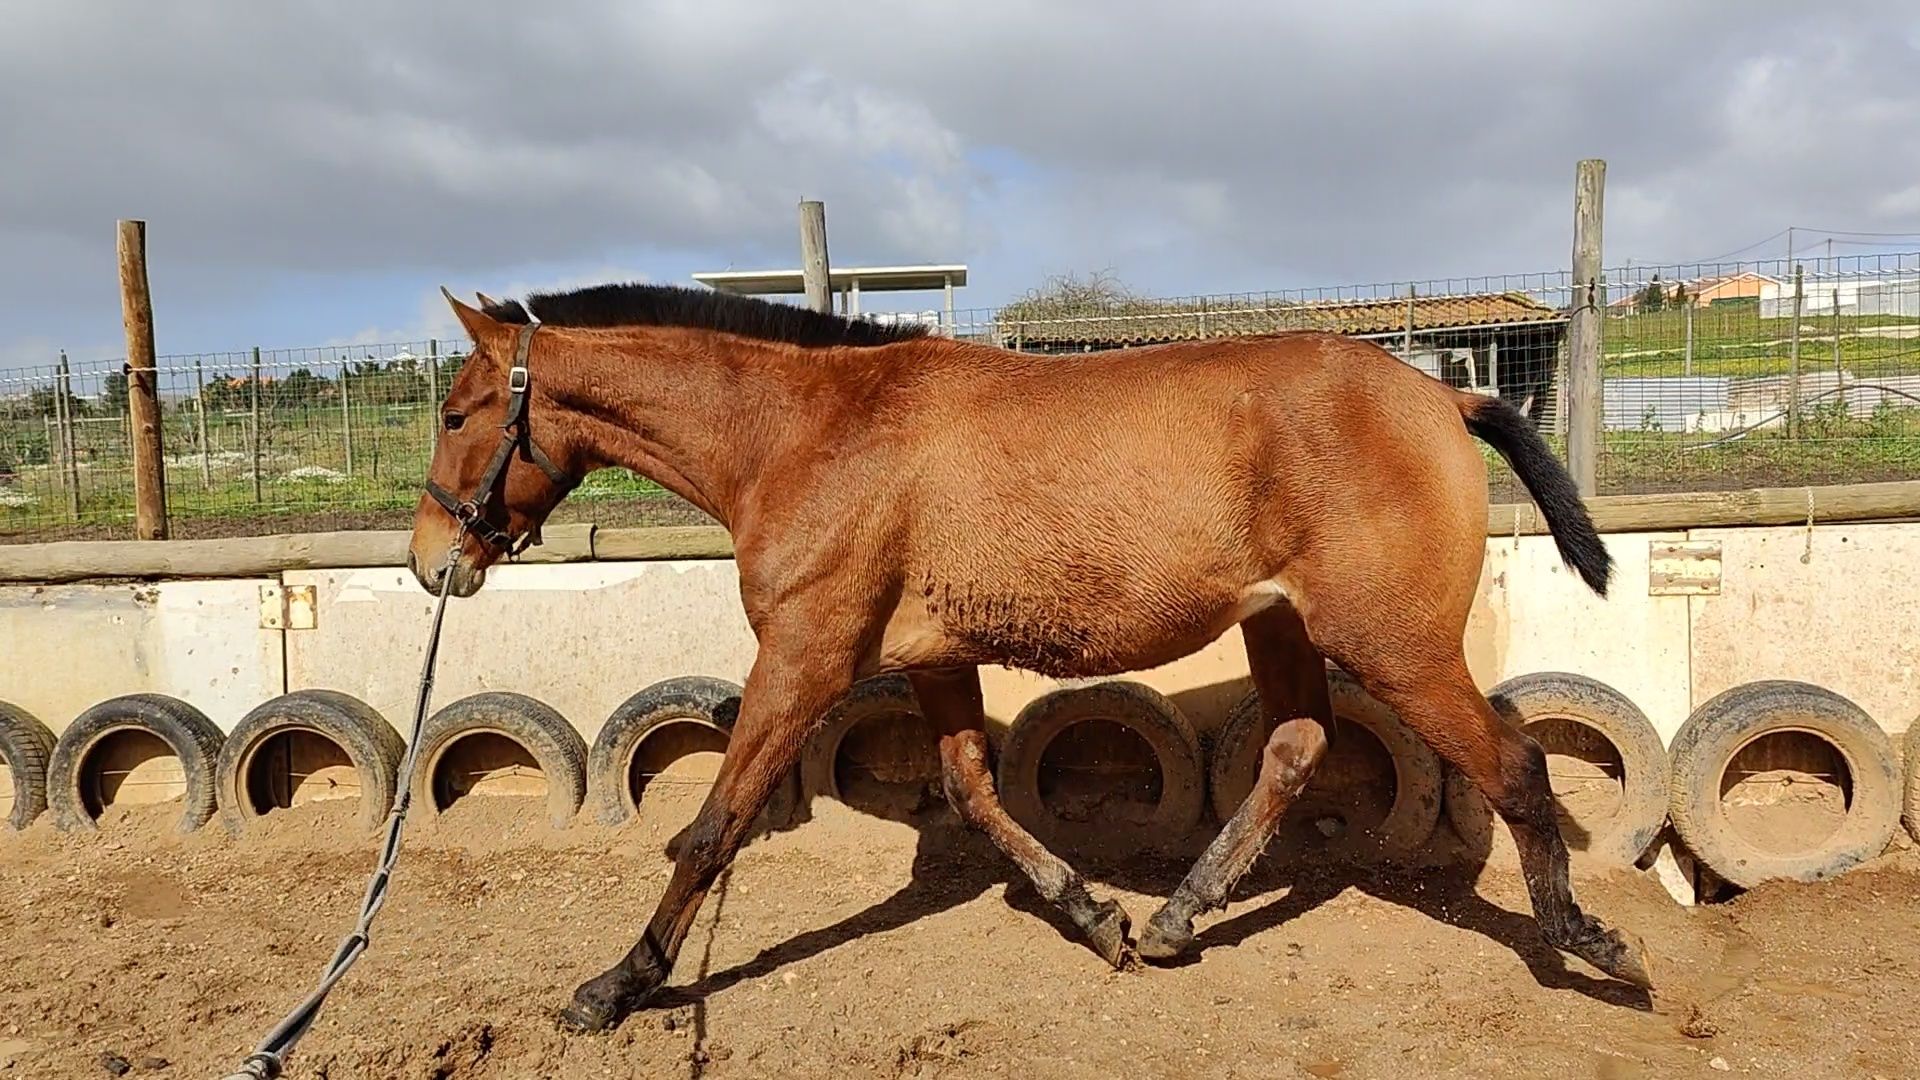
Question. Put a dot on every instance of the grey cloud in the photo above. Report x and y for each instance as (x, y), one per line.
(1190, 146)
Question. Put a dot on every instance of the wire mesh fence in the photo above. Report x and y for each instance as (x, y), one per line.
(1714, 376)
(1762, 374)
(254, 441)
(1502, 335)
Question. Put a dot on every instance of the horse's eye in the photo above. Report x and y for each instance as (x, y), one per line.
(454, 420)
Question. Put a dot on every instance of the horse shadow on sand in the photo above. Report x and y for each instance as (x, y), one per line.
(953, 866)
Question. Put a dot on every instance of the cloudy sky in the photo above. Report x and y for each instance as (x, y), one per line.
(311, 173)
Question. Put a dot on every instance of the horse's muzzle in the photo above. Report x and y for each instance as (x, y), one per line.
(467, 578)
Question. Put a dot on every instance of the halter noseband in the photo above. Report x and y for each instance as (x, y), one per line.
(514, 435)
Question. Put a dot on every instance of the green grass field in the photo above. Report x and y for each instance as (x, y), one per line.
(1736, 341)
(304, 473)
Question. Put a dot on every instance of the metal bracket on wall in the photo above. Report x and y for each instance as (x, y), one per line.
(1683, 568)
(287, 607)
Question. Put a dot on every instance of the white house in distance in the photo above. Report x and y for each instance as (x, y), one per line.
(1897, 294)
(1746, 285)
(1847, 295)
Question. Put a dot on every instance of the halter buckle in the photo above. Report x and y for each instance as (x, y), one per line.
(517, 379)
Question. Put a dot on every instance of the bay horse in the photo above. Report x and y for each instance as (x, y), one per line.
(906, 502)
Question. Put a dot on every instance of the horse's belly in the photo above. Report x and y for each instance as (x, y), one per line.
(1065, 639)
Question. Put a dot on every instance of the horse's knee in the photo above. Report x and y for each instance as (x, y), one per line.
(703, 845)
(1294, 749)
(965, 779)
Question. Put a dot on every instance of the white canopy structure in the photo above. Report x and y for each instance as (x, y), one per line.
(847, 281)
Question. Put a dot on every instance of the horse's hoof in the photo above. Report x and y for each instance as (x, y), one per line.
(1164, 938)
(600, 1003)
(586, 1018)
(1621, 955)
(1634, 964)
(1108, 934)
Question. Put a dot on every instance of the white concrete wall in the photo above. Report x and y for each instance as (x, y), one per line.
(1841, 612)
(584, 636)
(581, 637)
(1533, 614)
(66, 648)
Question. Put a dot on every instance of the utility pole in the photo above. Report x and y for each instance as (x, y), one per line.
(1584, 328)
(815, 272)
(143, 401)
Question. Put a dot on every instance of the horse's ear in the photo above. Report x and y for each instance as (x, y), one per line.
(485, 300)
(482, 328)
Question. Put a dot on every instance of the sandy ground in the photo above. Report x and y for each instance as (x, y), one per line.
(851, 946)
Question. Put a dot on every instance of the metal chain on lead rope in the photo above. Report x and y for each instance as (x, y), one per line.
(269, 1058)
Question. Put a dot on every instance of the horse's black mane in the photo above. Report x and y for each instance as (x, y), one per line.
(702, 309)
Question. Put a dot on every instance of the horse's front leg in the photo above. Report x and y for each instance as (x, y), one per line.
(793, 682)
(951, 699)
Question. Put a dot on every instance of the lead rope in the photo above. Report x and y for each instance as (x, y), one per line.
(269, 1058)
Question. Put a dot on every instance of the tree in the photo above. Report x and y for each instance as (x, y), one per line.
(1652, 298)
(228, 392)
(300, 388)
(45, 401)
(113, 393)
(1066, 295)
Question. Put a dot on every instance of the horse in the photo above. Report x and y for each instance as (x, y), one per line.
(906, 502)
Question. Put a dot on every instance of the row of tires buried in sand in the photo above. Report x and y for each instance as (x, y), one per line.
(1767, 780)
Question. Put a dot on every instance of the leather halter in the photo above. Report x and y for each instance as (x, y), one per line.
(514, 435)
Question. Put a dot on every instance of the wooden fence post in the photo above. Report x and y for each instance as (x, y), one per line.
(69, 450)
(346, 418)
(253, 426)
(1406, 346)
(433, 391)
(1793, 359)
(1686, 366)
(143, 402)
(1838, 377)
(200, 421)
(1584, 328)
(53, 454)
(815, 272)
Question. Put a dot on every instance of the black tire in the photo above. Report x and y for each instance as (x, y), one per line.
(1732, 720)
(554, 744)
(1535, 701)
(1140, 709)
(25, 746)
(370, 743)
(697, 699)
(1415, 812)
(912, 777)
(1912, 744)
(189, 735)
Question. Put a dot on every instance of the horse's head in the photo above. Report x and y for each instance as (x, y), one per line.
(501, 461)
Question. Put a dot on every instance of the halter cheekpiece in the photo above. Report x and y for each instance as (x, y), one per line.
(514, 435)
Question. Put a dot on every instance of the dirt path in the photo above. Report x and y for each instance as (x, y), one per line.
(817, 958)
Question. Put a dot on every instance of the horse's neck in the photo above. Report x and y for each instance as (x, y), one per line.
(696, 413)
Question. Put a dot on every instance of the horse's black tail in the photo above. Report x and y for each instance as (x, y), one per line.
(1502, 427)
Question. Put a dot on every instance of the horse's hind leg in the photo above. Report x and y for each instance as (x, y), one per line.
(950, 698)
(1436, 696)
(1291, 679)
